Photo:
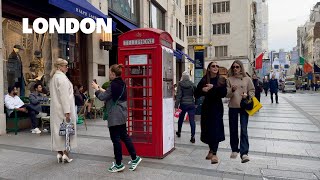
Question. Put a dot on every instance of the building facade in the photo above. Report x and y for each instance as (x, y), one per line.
(308, 45)
(87, 61)
(262, 24)
(224, 28)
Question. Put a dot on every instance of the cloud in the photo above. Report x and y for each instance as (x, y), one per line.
(284, 18)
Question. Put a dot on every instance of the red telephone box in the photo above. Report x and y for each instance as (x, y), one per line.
(147, 57)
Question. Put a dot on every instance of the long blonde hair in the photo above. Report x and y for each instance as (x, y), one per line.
(243, 71)
(58, 63)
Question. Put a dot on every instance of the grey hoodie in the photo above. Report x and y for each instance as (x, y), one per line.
(185, 94)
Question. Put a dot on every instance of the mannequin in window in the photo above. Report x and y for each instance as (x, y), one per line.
(14, 73)
(36, 71)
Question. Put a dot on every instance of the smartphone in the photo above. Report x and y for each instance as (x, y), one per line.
(94, 80)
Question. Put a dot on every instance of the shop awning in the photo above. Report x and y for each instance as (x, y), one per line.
(80, 8)
(123, 21)
(177, 54)
(188, 57)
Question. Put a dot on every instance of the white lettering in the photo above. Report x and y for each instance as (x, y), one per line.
(138, 42)
(67, 25)
(37, 28)
(53, 24)
(25, 26)
(106, 27)
(84, 28)
(72, 29)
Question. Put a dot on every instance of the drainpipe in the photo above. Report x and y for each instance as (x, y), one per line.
(2, 115)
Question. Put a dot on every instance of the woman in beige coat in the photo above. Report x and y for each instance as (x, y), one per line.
(239, 86)
(62, 107)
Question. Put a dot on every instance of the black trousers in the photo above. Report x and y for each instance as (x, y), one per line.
(118, 133)
(214, 147)
(276, 93)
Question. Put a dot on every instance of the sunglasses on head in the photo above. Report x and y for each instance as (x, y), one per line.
(214, 66)
(235, 67)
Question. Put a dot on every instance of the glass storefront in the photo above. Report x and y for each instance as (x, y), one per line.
(125, 8)
(27, 57)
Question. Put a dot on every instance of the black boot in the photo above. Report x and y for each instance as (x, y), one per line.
(178, 134)
(192, 140)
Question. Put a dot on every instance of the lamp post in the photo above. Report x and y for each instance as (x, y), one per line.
(106, 41)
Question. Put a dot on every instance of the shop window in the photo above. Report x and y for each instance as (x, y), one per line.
(127, 9)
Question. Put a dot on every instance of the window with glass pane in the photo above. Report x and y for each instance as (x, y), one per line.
(186, 10)
(156, 17)
(180, 29)
(200, 9)
(214, 7)
(190, 30)
(194, 9)
(223, 28)
(223, 7)
(218, 7)
(228, 6)
(218, 28)
(190, 9)
(214, 29)
(194, 30)
(216, 51)
(228, 28)
(225, 51)
(125, 8)
(200, 30)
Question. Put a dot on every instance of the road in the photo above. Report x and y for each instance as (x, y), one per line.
(284, 144)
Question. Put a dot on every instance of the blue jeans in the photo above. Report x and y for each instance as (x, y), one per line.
(233, 127)
(191, 110)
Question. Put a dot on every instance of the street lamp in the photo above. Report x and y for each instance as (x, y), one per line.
(106, 41)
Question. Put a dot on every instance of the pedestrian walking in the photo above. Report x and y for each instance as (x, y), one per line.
(239, 86)
(265, 86)
(273, 84)
(213, 87)
(186, 102)
(257, 86)
(115, 97)
(62, 108)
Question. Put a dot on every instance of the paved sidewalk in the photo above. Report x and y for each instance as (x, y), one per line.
(284, 144)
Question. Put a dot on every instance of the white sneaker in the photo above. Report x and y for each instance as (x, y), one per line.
(37, 131)
(33, 131)
(41, 114)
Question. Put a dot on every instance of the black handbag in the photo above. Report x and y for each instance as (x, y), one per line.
(246, 103)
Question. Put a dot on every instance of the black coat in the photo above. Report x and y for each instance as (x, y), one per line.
(212, 127)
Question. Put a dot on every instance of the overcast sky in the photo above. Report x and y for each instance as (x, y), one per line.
(284, 18)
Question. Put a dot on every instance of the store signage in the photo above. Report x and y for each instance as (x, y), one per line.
(138, 42)
(197, 48)
(67, 25)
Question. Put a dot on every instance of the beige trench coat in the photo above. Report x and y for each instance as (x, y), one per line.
(62, 101)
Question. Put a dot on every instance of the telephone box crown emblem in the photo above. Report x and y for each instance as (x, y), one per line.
(138, 34)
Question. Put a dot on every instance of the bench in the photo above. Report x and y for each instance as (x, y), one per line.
(16, 123)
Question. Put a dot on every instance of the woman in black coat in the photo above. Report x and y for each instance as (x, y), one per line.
(213, 87)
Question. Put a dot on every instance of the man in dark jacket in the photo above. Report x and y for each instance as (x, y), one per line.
(273, 84)
(258, 86)
(265, 86)
(34, 108)
(185, 101)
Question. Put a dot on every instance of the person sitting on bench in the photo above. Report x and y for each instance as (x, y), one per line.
(35, 110)
(13, 102)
